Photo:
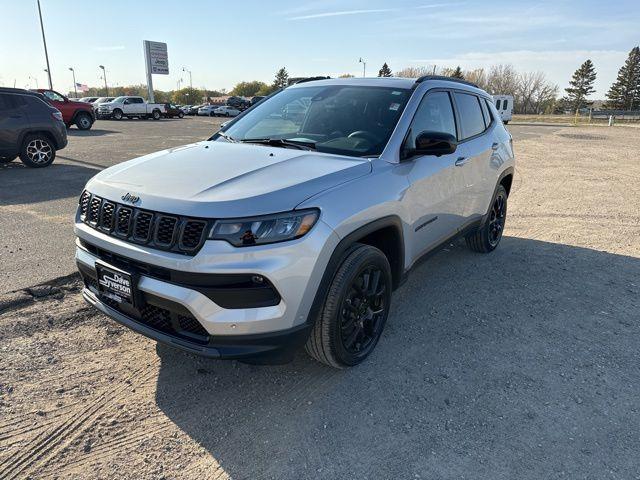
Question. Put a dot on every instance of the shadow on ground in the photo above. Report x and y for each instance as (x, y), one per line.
(23, 185)
(94, 132)
(519, 364)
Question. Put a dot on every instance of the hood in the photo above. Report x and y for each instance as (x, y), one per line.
(222, 180)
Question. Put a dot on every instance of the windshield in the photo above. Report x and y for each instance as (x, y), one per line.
(118, 99)
(342, 119)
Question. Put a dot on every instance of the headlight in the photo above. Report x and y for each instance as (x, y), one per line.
(244, 232)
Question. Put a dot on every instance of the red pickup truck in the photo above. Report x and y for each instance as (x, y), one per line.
(80, 113)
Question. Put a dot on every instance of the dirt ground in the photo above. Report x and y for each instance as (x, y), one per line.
(519, 364)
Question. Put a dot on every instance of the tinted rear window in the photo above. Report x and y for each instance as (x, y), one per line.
(471, 119)
(505, 104)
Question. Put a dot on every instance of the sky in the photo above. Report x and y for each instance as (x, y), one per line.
(223, 43)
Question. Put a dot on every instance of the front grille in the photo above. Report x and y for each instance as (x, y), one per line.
(191, 325)
(155, 229)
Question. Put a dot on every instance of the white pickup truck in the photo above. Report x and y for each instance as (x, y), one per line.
(130, 107)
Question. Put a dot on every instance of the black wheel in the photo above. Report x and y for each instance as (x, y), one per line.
(211, 114)
(487, 237)
(355, 310)
(226, 114)
(506, 122)
(181, 115)
(83, 121)
(37, 151)
(117, 114)
(155, 115)
(4, 160)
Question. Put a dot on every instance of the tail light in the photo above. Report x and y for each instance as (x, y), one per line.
(57, 115)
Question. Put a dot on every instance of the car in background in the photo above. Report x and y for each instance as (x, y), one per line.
(226, 111)
(185, 109)
(172, 111)
(32, 128)
(207, 110)
(88, 99)
(239, 103)
(79, 113)
(257, 99)
(131, 107)
(194, 109)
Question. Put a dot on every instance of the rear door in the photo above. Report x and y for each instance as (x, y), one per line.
(436, 186)
(13, 119)
(474, 152)
(59, 102)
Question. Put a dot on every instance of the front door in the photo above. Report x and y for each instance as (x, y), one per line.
(435, 198)
(13, 118)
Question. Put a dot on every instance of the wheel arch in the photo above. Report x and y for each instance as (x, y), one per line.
(385, 234)
(47, 134)
(79, 112)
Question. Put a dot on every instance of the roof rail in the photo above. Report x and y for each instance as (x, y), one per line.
(311, 79)
(448, 79)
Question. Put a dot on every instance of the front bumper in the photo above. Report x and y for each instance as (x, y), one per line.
(293, 268)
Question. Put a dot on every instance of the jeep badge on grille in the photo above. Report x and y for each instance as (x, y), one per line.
(132, 199)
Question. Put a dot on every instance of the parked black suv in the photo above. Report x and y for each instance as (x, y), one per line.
(30, 128)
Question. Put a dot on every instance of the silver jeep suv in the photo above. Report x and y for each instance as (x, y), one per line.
(284, 230)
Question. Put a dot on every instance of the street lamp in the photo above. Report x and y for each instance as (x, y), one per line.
(44, 41)
(74, 81)
(364, 66)
(104, 75)
(184, 69)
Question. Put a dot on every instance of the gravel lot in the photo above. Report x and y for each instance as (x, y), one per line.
(519, 364)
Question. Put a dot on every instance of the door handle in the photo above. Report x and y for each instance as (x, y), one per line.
(461, 161)
(495, 146)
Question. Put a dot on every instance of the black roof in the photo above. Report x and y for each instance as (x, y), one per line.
(447, 79)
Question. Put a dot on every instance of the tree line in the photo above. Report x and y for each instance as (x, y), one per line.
(532, 92)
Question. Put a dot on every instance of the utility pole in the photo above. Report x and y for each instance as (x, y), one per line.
(44, 41)
(74, 81)
(104, 75)
(364, 66)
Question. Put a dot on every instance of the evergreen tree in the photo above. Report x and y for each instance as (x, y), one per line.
(457, 73)
(624, 94)
(581, 86)
(282, 78)
(385, 71)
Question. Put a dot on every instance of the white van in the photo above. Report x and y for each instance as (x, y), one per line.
(504, 105)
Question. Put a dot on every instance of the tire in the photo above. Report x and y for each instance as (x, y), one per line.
(212, 114)
(487, 238)
(226, 114)
(506, 122)
(117, 114)
(37, 151)
(155, 115)
(351, 321)
(83, 121)
(181, 115)
(4, 160)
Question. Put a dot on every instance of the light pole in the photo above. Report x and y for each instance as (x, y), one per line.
(184, 69)
(44, 41)
(34, 78)
(104, 75)
(364, 66)
(74, 81)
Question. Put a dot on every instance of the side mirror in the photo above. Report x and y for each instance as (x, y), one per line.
(66, 99)
(126, 102)
(432, 143)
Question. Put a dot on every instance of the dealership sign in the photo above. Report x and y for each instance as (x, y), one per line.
(157, 58)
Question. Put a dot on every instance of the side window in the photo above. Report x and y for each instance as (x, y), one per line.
(5, 102)
(498, 104)
(51, 95)
(485, 112)
(138, 100)
(434, 114)
(470, 114)
(487, 105)
(505, 104)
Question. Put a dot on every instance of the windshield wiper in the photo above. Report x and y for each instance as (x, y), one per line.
(281, 142)
(227, 137)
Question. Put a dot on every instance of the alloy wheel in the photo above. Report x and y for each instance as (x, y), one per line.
(363, 311)
(39, 151)
(497, 218)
